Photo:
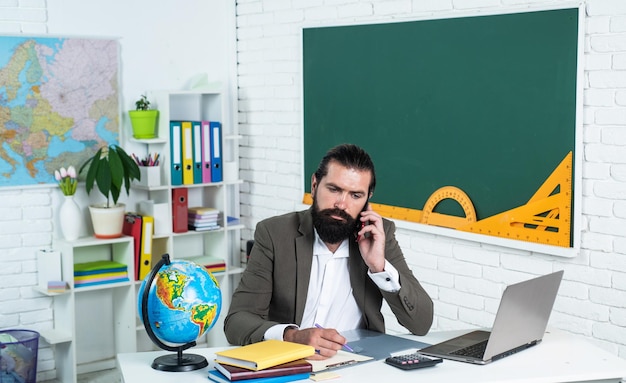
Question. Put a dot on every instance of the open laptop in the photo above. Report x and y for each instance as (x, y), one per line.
(520, 323)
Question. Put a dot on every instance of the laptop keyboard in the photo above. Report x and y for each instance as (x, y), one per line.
(474, 351)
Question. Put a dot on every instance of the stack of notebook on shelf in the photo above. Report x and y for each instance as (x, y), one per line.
(203, 218)
(57, 286)
(215, 267)
(211, 264)
(269, 361)
(99, 272)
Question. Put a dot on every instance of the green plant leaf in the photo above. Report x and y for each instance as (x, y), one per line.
(93, 170)
(117, 168)
(103, 177)
(131, 170)
(111, 173)
(115, 194)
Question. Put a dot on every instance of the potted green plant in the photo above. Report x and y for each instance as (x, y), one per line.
(112, 170)
(143, 119)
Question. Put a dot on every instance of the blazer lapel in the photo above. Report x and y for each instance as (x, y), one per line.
(357, 274)
(304, 259)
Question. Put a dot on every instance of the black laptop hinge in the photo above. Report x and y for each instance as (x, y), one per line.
(513, 351)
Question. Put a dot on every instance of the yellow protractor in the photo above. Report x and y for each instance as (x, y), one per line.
(430, 217)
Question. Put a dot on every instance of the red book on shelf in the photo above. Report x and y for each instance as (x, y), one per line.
(236, 373)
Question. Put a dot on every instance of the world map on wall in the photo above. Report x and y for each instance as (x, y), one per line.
(59, 103)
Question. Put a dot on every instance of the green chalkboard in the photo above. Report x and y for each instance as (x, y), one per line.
(484, 103)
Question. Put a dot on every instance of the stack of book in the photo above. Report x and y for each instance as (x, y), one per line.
(57, 286)
(99, 272)
(203, 218)
(215, 267)
(269, 361)
(211, 264)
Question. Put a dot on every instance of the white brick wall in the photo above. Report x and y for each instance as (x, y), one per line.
(150, 60)
(25, 219)
(25, 227)
(23, 16)
(464, 278)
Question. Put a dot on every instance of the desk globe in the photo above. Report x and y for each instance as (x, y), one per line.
(178, 302)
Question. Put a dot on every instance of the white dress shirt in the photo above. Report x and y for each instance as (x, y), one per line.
(330, 302)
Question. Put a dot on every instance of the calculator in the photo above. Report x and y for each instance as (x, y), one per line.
(412, 361)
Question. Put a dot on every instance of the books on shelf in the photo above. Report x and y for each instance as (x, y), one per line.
(57, 286)
(264, 354)
(233, 373)
(99, 272)
(202, 211)
(218, 377)
(203, 218)
(219, 267)
(211, 264)
(204, 228)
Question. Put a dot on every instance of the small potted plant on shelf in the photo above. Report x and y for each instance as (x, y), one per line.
(111, 169)
(143, 119)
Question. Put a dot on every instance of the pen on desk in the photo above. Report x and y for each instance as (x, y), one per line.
(344, 346)
(339, 364)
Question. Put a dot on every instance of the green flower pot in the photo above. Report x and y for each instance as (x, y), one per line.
(144, 123)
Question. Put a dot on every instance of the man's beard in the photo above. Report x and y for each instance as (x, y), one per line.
(330, 229)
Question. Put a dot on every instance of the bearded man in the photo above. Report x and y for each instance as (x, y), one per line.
(315, 273)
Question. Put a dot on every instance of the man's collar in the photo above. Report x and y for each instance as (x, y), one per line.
(319, 247)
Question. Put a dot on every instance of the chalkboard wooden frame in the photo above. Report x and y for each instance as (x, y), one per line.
(501, 102)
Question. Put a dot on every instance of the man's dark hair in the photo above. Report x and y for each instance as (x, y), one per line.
(350, 156)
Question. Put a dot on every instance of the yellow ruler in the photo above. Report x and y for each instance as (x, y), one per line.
(545, 218)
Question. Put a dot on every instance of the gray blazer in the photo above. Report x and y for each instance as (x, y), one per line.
(273, 288)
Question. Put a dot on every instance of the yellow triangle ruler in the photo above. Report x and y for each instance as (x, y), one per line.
(545, 218)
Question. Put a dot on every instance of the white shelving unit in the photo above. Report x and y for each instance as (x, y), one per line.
(223, 244)
(92, 324)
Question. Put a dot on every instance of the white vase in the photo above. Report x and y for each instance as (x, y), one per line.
(70, 218)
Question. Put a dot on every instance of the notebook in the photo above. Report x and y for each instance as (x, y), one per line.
(264, 354)
(520, 323)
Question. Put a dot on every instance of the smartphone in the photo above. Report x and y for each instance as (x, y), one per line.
(360, 224)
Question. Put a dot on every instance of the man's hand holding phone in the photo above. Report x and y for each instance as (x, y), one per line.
(371, 240)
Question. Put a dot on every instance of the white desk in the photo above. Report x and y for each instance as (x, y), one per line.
(561, 357)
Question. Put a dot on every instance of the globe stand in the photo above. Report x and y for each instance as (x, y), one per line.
(178, 362)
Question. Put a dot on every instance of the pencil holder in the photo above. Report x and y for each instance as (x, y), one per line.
(150, 176)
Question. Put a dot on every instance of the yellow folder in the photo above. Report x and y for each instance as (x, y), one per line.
(265, 354)
(187, 153)
(145, 257)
